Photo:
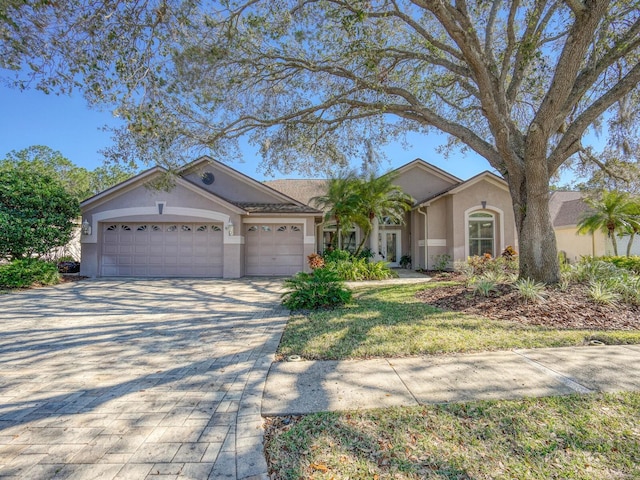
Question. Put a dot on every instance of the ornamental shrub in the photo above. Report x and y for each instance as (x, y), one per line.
(351, 268)
(628, 263)
(506, 264)
(309, 291)
(530, 291)
(23, 273)
(315, 261)
(36, 212)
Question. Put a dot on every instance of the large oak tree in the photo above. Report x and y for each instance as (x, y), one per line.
(313, 82)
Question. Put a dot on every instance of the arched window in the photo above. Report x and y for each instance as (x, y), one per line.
(481, 234)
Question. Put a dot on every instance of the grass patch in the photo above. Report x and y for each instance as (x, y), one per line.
(390, 322)
(575, 437)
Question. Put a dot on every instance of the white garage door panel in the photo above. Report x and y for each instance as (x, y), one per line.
(274, 249)
(162, 250)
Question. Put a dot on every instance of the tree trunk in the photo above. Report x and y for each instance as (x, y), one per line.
(537, 241)
(365, 235)
(631, 237)
(614, 242)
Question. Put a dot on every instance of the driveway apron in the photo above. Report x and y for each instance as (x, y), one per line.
(136, 379)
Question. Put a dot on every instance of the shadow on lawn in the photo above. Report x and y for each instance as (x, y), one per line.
(357, 452)
(348, 329)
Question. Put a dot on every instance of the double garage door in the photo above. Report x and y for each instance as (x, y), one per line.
(196, 249)
(162, 250)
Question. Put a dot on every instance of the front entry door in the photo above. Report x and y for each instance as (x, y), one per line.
(390, 246)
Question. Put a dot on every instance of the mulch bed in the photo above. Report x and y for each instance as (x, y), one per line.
(570, 309)
(66, 278)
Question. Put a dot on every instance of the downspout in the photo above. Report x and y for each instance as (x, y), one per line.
(426, 237)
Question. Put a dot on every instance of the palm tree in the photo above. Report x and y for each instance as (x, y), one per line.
(339, 203)
(633, 209)
(611, 214)
(378, 198)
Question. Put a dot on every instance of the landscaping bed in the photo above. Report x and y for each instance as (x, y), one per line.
(395, 321)
(562, 309)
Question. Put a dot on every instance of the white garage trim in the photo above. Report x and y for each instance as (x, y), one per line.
(308, 239)
(152, 211)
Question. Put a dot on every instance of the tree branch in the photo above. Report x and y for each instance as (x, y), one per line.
(570, 143)
(547, 120)
(576, 6)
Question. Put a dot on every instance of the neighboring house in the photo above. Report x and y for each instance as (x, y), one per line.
(217, 222)
(449, 217)
(566, 209)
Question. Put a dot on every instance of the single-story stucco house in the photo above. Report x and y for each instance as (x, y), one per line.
(218, 222)
(567, 209)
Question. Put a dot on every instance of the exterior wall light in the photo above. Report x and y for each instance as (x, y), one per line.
(85, 227)
(484, 203)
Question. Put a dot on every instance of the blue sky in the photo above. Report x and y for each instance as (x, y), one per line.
(66, 124)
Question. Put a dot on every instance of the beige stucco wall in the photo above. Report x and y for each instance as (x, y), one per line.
(141, 196)
(576, 246)
(498, 202)
(421, 182)
(447, 227)
(232, 187)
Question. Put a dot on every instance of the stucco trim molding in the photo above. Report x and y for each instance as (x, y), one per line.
(488, 209)
(436, 242)
(151, 211)
(234, 239)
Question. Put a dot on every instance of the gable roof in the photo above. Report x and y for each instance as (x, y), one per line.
(566, 207)
(242, 177)
(301, 190)
(428, 166)
(486, 175)
(287, 204)
(149, 175)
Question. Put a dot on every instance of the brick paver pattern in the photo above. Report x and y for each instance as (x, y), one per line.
(136, 379)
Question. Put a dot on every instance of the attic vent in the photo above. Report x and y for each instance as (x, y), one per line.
(208, 178)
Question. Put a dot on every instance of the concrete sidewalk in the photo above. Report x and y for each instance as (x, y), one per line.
(313, 386)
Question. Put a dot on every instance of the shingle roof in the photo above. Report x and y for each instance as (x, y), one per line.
(566, 207)
(570, 213)
(300, 190)
(457, 185)
(275, 208)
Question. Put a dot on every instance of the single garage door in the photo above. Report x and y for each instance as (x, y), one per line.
(161, 250)
(274, 249)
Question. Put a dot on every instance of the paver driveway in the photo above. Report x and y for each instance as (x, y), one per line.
(136, 378)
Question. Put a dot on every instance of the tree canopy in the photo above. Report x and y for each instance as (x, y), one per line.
(77, 181)
(36, 212)
(317, 82)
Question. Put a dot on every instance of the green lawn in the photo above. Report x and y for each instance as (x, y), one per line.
(389, 322)
(576, 437)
